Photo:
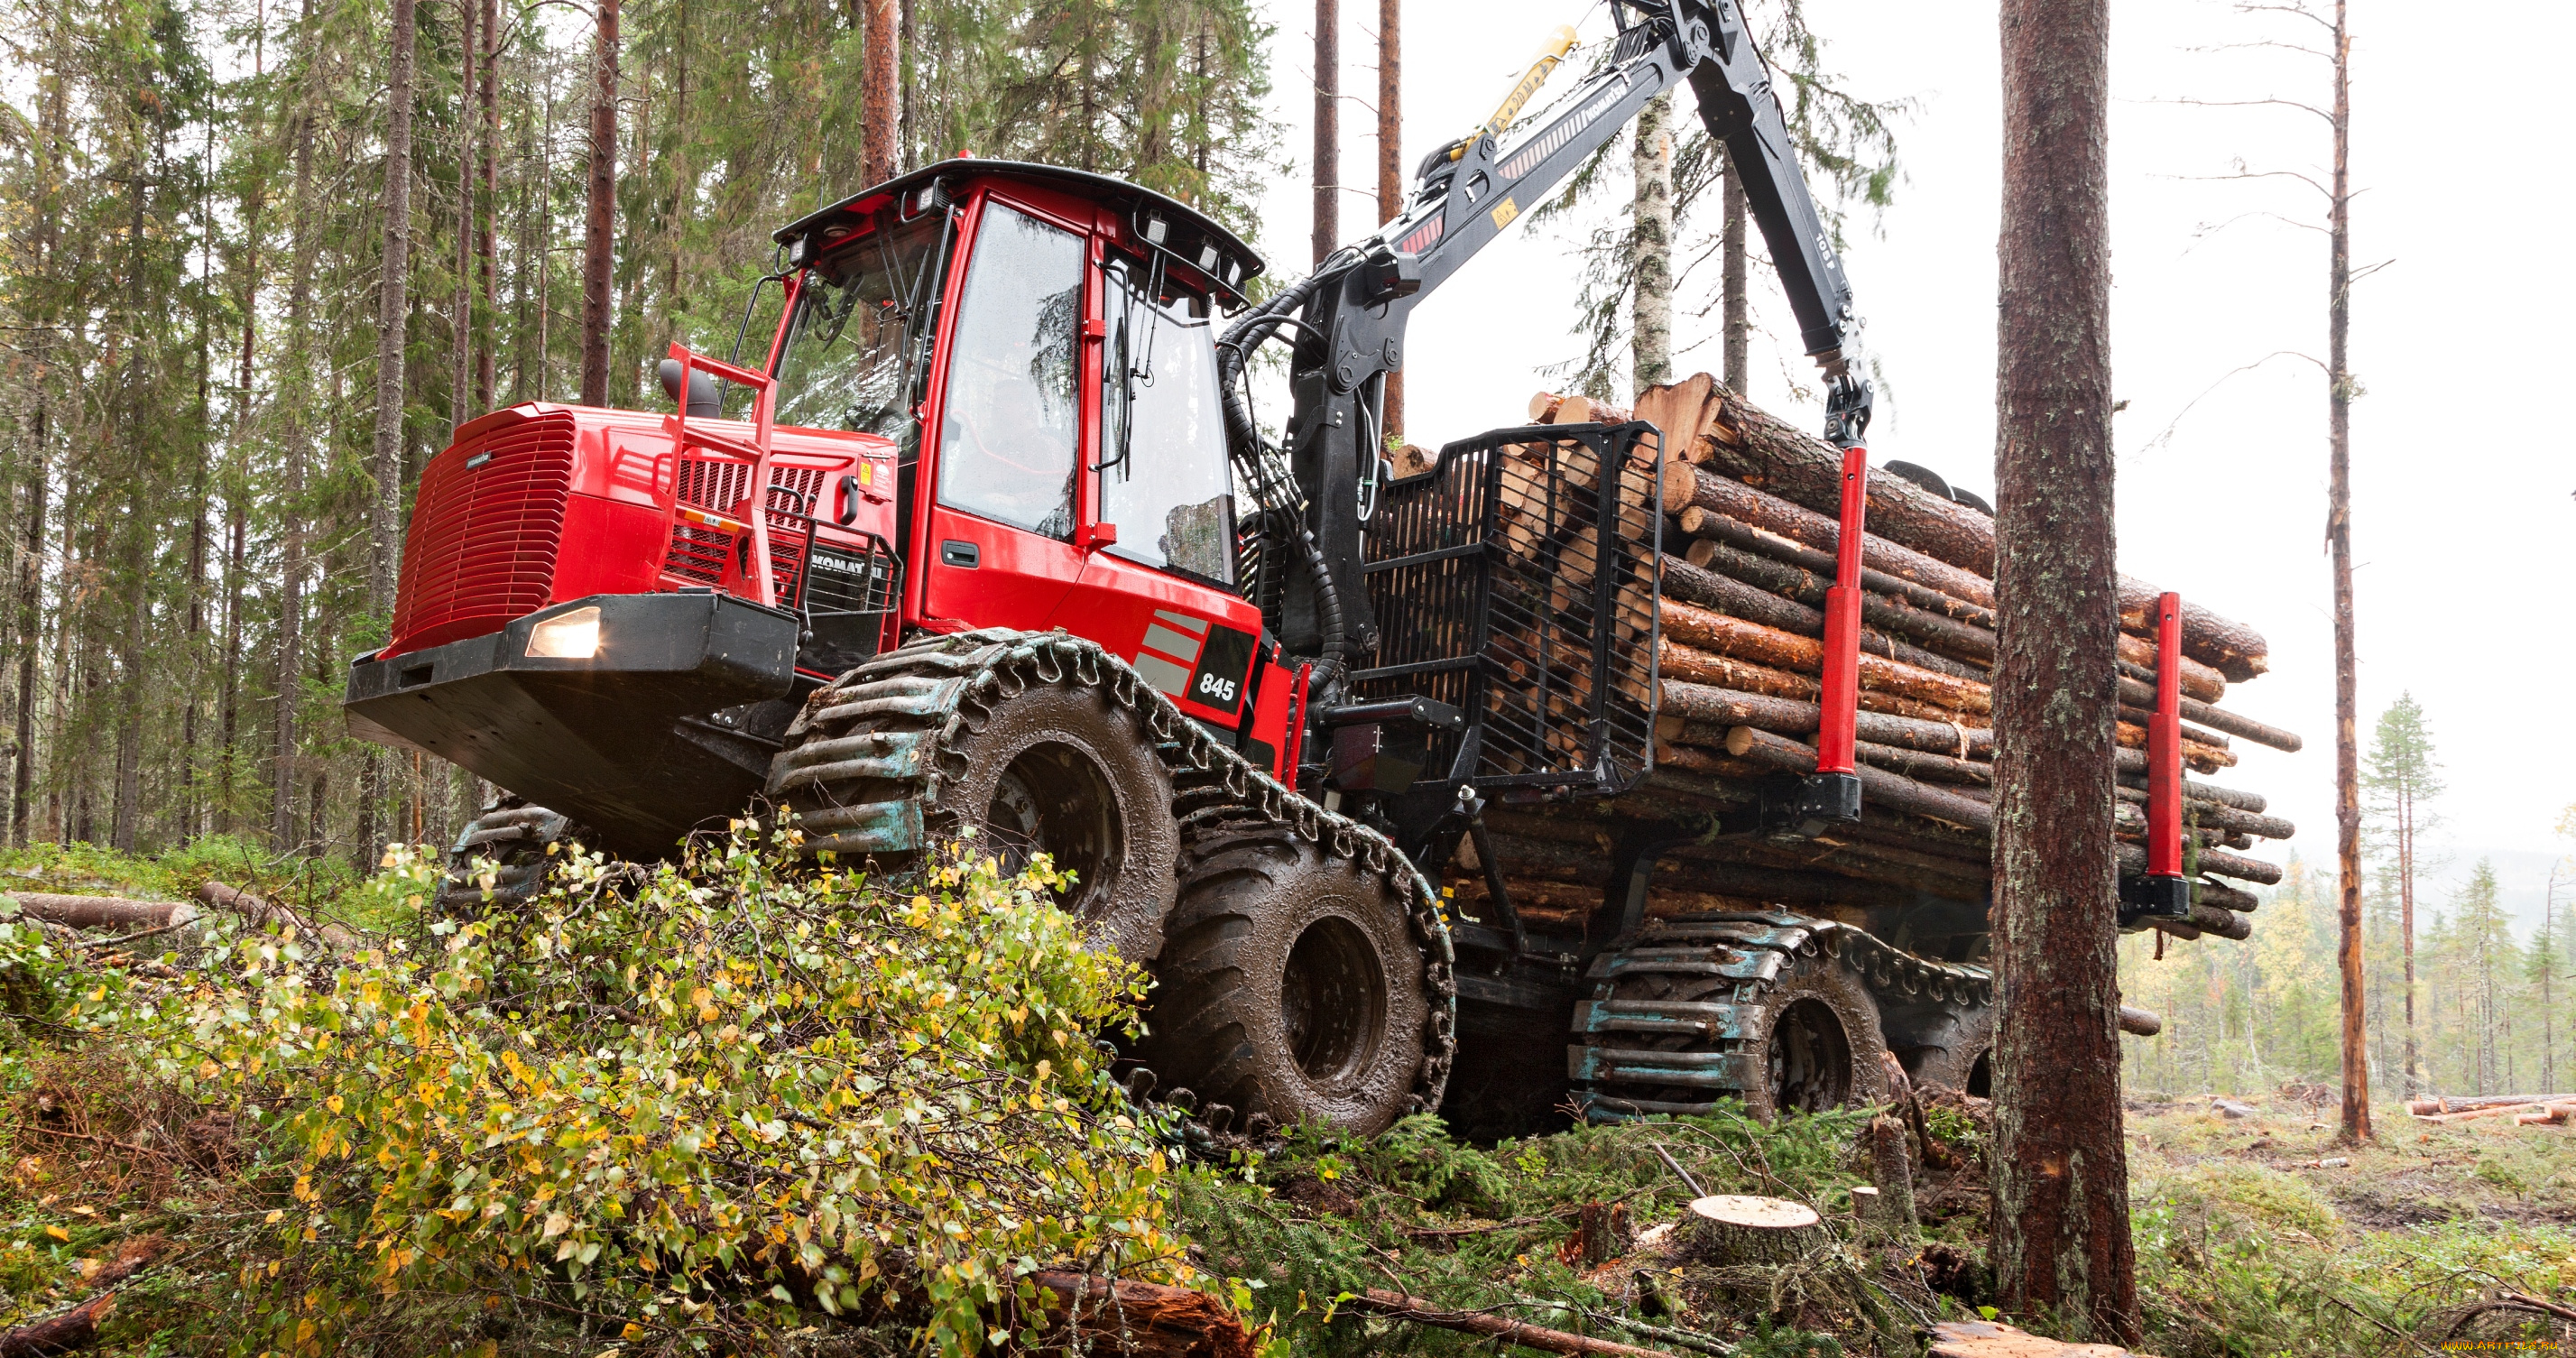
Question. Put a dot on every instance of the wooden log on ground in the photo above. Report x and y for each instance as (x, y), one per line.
(1993, 1339)
(2471, 1102)
(102, 912)
(265, 914)
(1729, 1229)
(1893, 791)
(1147, 1320)
(1398, 1306)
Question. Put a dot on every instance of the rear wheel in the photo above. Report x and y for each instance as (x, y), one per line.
(1293, 989)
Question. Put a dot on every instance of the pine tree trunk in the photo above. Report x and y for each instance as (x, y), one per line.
(2356, 1070)
(1328, 127)
(1735, 320)
(298, 434)
(393, 307)
(1390, 168)
(40, 345)
(2406, 929)
(597, 247)
(883, 71)
(1650, 246)
(490, 204)
(460, 390)
(2061, 1243)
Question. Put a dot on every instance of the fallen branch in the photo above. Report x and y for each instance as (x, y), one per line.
(1397, 1306)
(263, 914)
(2510, 1301)
(78, 1327)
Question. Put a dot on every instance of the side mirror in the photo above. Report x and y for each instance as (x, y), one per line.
(705, 403)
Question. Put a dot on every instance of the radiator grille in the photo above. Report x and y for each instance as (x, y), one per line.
(481, 549)
(1498, 589)
(721, 485)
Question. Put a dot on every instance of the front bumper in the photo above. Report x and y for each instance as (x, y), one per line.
(660, 729)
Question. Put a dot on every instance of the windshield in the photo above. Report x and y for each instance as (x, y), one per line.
(1169, 489)
(848, 361)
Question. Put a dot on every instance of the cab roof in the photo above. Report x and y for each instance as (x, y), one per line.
(1191, 238)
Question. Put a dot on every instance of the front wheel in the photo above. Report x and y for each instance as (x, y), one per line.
(1292, 988)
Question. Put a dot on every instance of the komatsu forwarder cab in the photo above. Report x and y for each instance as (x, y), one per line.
(991, 402)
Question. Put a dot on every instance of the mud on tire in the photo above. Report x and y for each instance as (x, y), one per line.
(1291, 987)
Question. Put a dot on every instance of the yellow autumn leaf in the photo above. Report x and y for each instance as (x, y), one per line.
(58, 1233)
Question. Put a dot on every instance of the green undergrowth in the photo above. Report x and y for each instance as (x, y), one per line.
(1320, 1218)
(736, 1103)
(321, 887)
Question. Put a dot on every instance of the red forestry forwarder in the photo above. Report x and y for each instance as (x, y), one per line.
(1000, 545)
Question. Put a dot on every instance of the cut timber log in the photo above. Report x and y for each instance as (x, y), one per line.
(2138, 1022)
(2140, 693)
(1806, 471)
(1698, 494)
(1730, 1229)
(1147, 1320)
(2438, 1104)
(1725, 594)
(1713, 529)
(1687, 702)
(1938, 631)
(102, 912)
(1719, 634)
(1397, 1306)
(1890, 790)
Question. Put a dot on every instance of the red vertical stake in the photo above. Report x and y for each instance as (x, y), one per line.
(2164, 745)
(1841, 697)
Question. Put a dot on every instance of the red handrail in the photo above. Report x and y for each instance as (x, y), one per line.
(1839, 703)
(765, 389)
(2164, 746)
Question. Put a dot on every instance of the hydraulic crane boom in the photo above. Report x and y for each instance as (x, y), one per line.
(1350, 315)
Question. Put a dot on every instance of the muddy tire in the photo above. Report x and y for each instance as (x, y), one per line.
(1766, 1010)
(1952, 1046)
(1060, 770)
(514, 836)
(1292, 989)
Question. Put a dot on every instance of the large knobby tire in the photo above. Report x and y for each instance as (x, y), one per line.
(1292, 989)
(1803, 1039)
(1061, 770)
(525, 844)
(1955, 1048)
(1818, 1041)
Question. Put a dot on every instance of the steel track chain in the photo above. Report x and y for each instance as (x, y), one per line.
(1750, 950)
(868, 756)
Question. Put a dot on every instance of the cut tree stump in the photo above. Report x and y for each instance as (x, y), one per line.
(1892, 1166)
(1733, 1228)
(1603, 1233)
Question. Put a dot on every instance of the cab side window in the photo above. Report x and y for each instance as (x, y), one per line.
(1010, 429)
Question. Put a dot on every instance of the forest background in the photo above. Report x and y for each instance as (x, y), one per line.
(192, 195)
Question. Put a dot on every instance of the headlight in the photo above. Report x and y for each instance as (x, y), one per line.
(566, 636)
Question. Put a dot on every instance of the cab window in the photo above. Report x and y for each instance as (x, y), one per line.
(1163, 474)
(1009, 431)
(852, 344)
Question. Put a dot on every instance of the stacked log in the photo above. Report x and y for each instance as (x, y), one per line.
(1749, 544)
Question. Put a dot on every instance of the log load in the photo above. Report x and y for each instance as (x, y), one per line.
(1750, 532)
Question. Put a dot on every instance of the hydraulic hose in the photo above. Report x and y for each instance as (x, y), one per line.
(1243, 437)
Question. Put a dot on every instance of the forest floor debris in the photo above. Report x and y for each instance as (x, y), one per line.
(163, 1220)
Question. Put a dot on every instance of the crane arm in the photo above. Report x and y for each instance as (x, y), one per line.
(1352, 314)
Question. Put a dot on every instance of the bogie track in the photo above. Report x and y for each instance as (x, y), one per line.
(906, 751)
(1781, 1012)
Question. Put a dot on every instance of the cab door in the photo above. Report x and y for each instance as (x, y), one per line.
(1000, 547)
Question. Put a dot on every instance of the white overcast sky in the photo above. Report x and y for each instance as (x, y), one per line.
(2462, 502)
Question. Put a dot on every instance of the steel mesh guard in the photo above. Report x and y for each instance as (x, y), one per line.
(1516, 582)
